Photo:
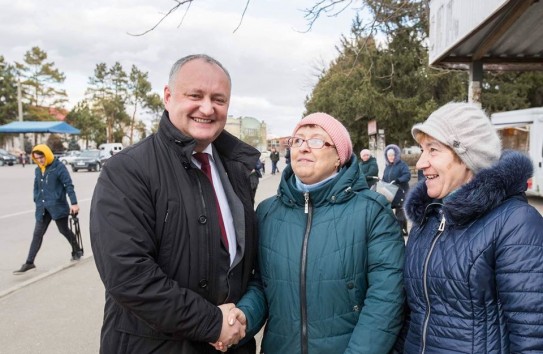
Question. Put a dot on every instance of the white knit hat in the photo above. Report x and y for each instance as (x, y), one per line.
(467, 130)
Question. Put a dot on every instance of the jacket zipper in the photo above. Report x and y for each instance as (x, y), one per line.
(425, 282)
(303, 269)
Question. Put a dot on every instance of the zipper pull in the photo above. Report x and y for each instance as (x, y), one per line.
(306, 207)
(442, 224)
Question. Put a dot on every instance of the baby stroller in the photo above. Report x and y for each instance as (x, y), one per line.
(395, 195)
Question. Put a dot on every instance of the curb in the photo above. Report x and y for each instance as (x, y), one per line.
(43, 276)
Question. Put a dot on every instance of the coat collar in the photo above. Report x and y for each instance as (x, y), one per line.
(489, 188)
(342, 187)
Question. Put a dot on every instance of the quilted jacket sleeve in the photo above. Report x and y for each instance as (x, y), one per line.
(253, 303)
(519, 277)
(254, 306)
(382, 314)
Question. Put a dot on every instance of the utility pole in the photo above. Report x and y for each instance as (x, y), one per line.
(20, 109)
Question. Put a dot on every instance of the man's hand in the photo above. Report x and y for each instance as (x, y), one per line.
(234, 324)
(74, 209)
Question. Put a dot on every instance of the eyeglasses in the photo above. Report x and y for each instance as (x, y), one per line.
(313, 143)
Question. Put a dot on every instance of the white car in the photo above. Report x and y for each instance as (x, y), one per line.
(69, 157)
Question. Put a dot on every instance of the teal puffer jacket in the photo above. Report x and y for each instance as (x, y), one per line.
(330, 269)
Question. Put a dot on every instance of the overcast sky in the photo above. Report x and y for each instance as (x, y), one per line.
(273, 64)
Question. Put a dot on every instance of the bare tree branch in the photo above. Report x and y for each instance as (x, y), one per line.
(180, 3)
(320, 7)
(242, 15)
(185, 14)
(173, 9)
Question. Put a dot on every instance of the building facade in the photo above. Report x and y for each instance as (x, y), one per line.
(248, 129)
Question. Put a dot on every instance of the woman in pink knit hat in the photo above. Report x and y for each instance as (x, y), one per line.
(330, 255)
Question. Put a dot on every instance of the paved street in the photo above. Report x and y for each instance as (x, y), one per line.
(57, 308)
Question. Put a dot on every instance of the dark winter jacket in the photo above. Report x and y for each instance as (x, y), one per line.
(331, 269)
(474, 266)
(370, 170)
(155, 238)
(274, 156)
(397, 172)
(51, 187)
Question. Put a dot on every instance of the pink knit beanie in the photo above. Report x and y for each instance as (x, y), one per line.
(338, 133)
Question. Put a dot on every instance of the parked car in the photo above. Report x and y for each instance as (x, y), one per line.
(90, 160)
(6, 158)
(69, 157)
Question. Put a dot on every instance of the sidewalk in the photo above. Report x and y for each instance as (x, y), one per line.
(60, 310)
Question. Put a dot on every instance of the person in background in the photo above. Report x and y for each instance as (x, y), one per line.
(330, 255)
(474, 270)
(274, 158)
(52, 182)
(173, 228)
(262, 164)
(287, 156)
(254, 178)
(397, 172)
(22, 158)
(368, 166)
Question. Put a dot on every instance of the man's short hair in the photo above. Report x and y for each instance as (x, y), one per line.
(179, 63)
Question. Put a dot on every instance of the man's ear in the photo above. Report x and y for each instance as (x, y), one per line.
(167, 94)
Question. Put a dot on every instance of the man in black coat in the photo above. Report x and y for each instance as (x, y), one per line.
(173, 229)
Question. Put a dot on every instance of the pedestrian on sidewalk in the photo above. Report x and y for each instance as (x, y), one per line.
(274, 158)
(331, 254)
(173, 228)
(52, 182)
(397, 172)
(254, 178)
(22, 159)
(262, 164)
(368, 166)
(474, 270)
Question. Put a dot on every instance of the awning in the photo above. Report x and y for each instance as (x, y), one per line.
(39, 127)
(509, 39)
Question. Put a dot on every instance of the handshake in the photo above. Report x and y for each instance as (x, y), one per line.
(234, 324)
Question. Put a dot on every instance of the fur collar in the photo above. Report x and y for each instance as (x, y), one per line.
(489, 188)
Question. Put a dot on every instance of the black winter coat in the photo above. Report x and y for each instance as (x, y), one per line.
(156, 245)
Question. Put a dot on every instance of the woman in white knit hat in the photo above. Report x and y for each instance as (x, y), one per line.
(474, 259)
(330, 254)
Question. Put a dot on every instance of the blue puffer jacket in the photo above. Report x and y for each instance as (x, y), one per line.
(51, 187)
(474, 266)
(331, 269)
(397, 171)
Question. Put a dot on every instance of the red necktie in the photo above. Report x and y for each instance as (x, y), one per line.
(206, 168)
